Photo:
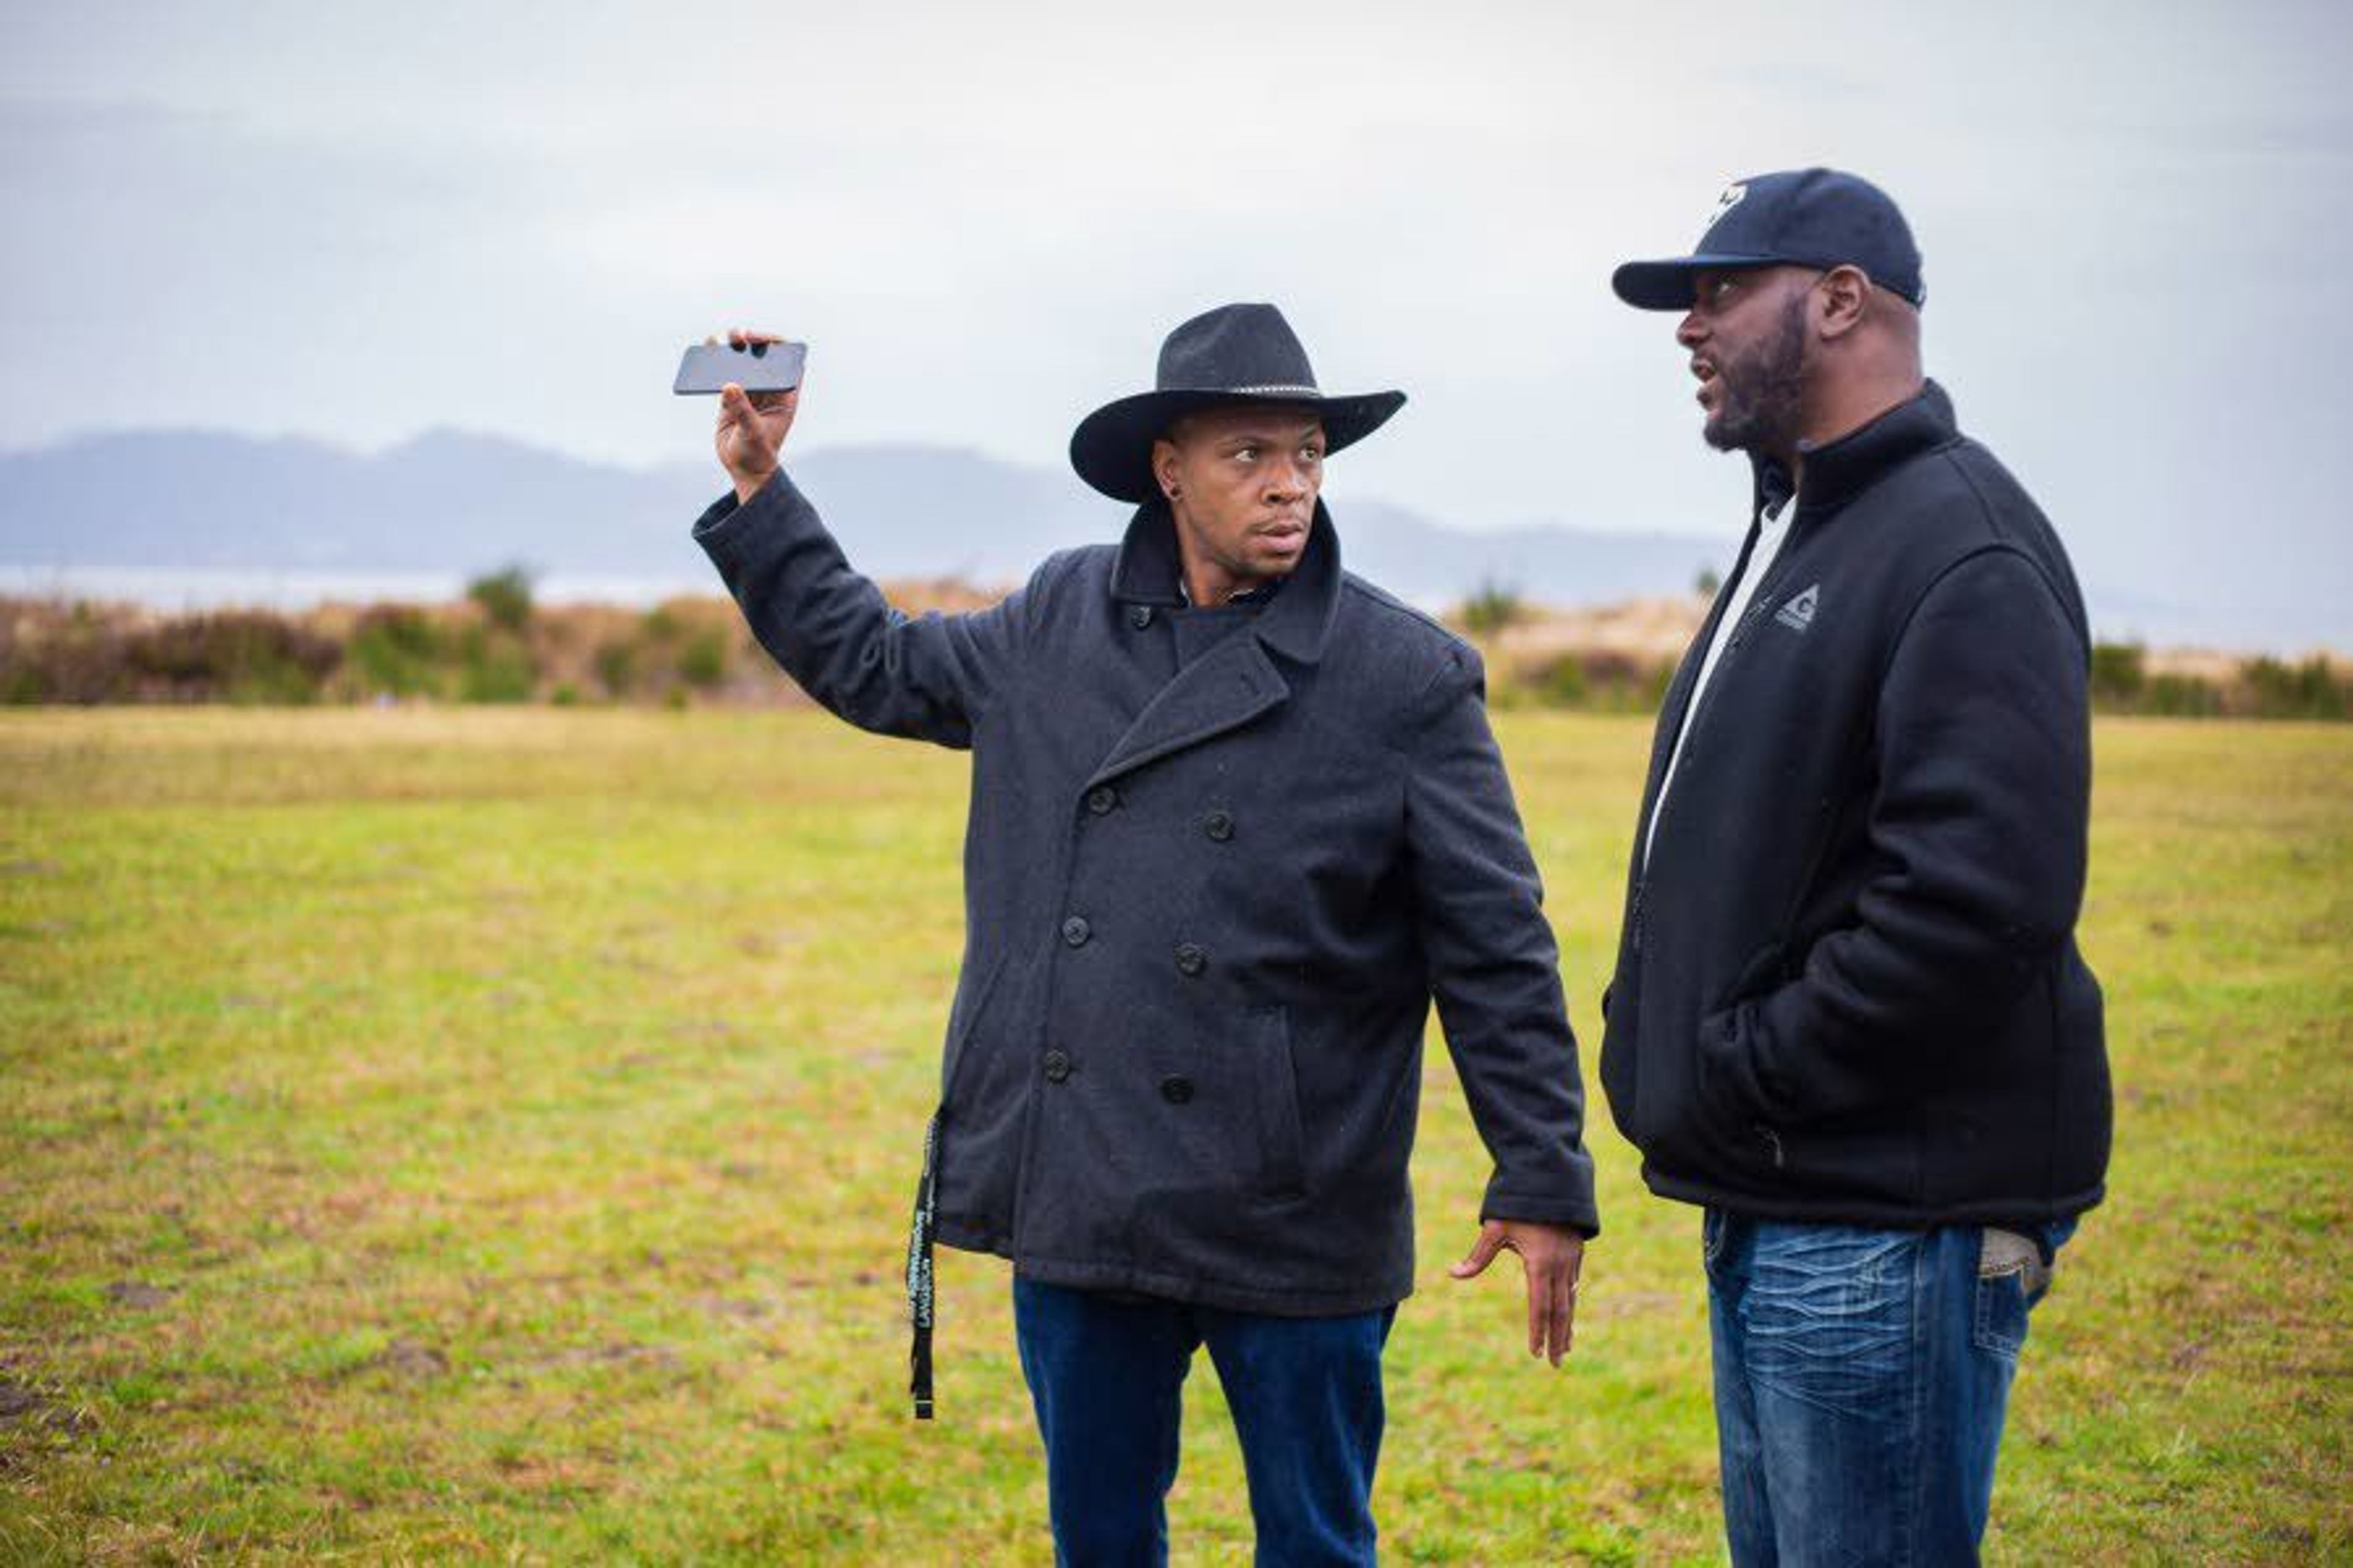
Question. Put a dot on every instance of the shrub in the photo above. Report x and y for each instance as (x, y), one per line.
(242, 656)
(54, 654)
(493, 668)
(496, 675)
(2180, 697)
(1556, 686)
(703, 662)
(2309, 689)
(616, 663)
(1595, 680)
(1491, 607)
(1563, 684)
(505, 597)
(2119, 673)
(396, 648)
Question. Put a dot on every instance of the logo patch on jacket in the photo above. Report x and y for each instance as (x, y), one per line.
(1799, 612)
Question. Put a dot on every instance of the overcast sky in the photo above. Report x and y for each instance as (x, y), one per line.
(359, 223)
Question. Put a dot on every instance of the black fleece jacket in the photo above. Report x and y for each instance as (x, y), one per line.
(1847, 989)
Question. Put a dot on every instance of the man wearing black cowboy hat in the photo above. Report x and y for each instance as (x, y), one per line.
(1850, 1019)
(1236, 816)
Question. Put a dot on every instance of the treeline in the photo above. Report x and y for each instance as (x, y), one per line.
(498, 645)
(2125, 679)
(1540, 660)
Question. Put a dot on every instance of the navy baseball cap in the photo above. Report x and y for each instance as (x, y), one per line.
(1806, 217)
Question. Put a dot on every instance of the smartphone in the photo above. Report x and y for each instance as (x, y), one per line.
(762, 367)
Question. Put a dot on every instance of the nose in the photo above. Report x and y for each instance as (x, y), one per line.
(1289, 480)
(1689, 331)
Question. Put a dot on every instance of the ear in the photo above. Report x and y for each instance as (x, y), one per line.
(1164, 465)
(1842, 299)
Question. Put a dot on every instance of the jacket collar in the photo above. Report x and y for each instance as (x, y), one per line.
(1296, 623)
(1837, 471)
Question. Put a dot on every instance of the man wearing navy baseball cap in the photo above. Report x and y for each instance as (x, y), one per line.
(1849, 1019)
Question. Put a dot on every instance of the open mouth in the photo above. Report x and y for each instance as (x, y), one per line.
(1711, 388)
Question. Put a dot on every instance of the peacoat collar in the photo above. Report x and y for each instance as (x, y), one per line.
(1296, 623)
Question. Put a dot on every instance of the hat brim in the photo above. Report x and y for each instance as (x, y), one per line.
(1112, 447)
(1667, 285)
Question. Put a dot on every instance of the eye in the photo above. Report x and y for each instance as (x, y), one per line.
(1247, 453)
(1310, 456)
(1722, 289)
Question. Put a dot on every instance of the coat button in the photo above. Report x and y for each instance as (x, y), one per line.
(1218, 824)
(1058, 1066)
(1191, 959)
(1075, 931)
(1176, 1091)
(1102, 799)
(1140, 616)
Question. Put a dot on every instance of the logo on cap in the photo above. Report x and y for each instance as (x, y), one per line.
(1733, 196)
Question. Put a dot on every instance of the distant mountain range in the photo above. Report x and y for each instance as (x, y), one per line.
(452, 503)
(181, 517)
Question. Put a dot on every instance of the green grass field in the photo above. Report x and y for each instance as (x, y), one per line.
(488, 1135)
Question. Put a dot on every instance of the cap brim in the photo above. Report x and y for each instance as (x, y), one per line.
(1667, 285)
(1112, 447)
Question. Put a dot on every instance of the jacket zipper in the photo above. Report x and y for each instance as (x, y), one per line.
(1682, 751)
(1759, 602)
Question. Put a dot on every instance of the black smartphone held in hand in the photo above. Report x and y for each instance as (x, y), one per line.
(760, 367)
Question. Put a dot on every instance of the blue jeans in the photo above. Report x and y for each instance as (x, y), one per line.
(1861, 1380)
(1107, 1374)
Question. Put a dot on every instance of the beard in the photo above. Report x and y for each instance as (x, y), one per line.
(1763, 391)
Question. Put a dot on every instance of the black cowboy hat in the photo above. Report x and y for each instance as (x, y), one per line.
(1234, 355)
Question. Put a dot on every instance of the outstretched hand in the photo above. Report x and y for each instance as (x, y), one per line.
(1552, 1255)
(752, 425)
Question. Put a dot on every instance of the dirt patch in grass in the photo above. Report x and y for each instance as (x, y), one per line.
(138, 1295)
(35, 1419)
(408, 1359)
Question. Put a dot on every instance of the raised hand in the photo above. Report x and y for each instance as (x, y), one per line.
(752, 425)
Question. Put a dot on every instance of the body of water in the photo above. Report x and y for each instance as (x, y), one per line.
(201, 590)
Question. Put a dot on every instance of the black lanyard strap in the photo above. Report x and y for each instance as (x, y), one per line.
(919, 1272)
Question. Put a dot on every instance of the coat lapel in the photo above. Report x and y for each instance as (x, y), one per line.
(1237, 680)
(1223, 689)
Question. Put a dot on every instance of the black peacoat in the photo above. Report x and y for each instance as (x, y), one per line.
(1207, 902)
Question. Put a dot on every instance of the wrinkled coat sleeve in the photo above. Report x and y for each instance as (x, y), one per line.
(926, 678)
(1978, 827)
(1493, 967)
